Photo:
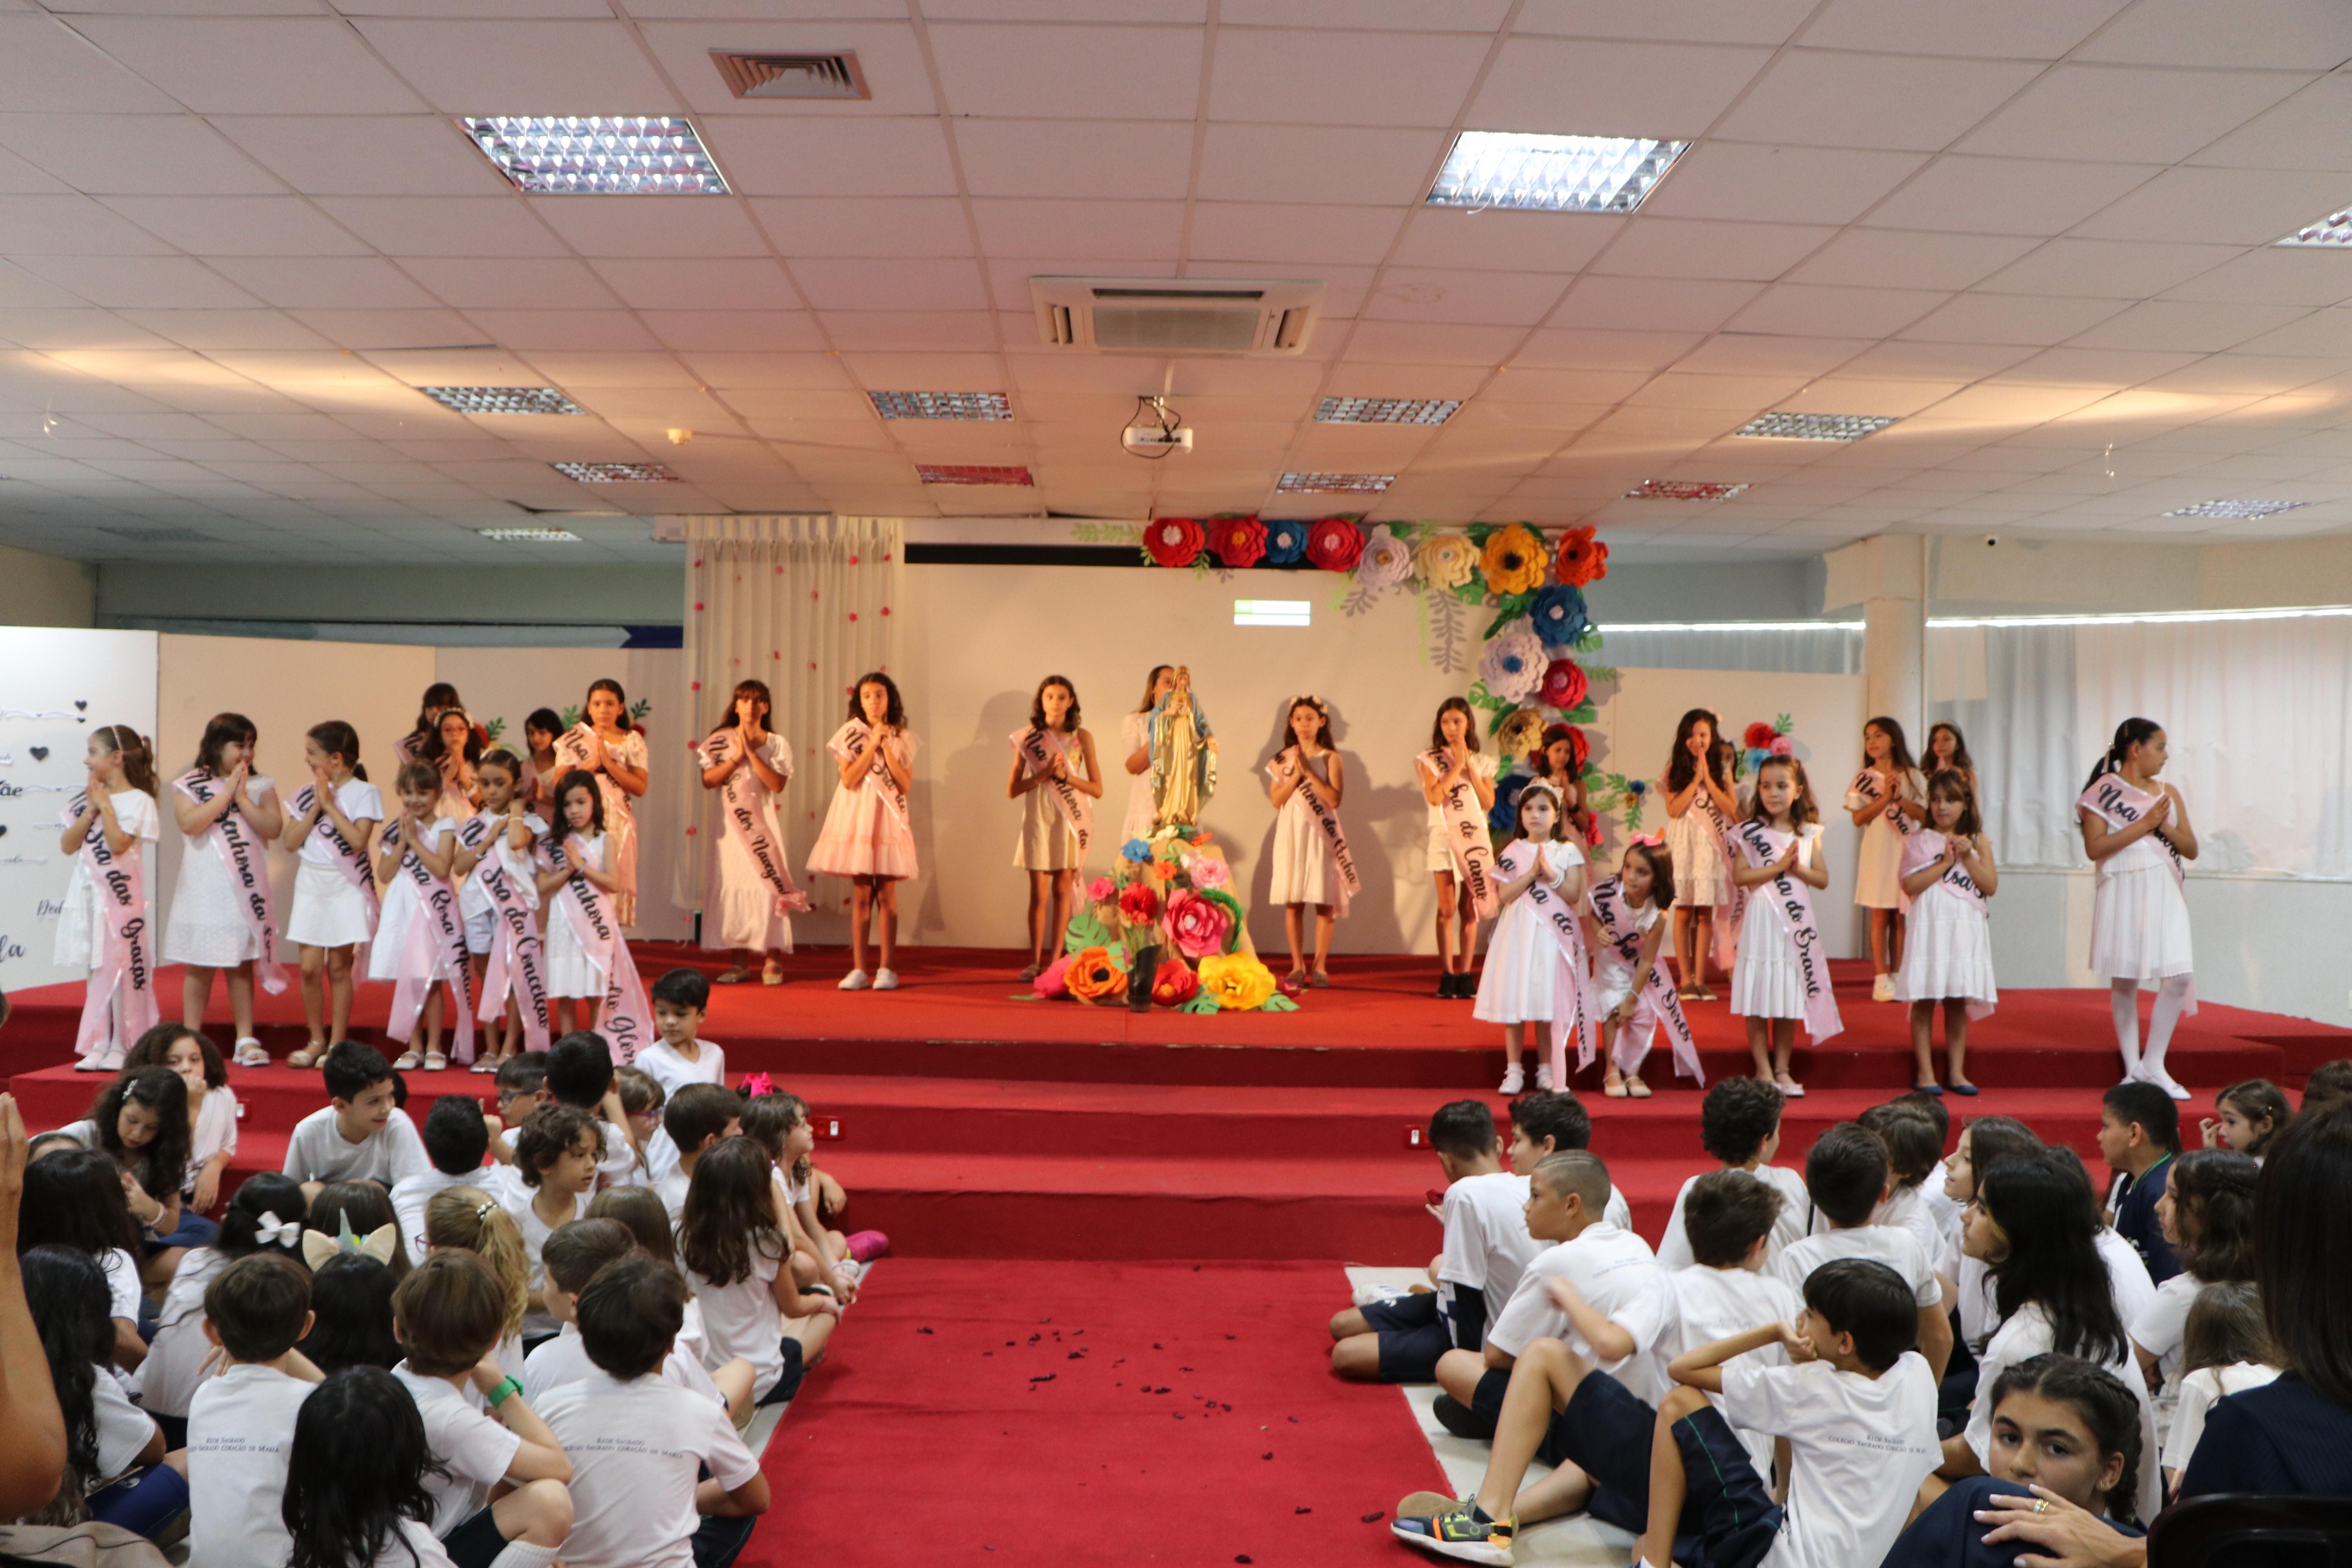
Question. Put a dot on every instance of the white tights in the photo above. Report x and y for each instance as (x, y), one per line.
(2123, 997)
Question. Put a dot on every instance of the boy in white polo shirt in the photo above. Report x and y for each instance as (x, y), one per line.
(1846, 1178)
(1729, 1221)
(359, 1137)
(241, 1423)
(574, 1255)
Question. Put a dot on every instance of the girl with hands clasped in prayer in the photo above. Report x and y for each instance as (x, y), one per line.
(2136, 830)
(1700, 809)
(573, 976)
(1050, 848)
(104, 922)
(1523, 977)
(618, 761)
(1947, 875)
(1458, 782)
(423, 834)
(867, 836)
(229, 814)
(1782, 972)
(750, 765)
(334, 891)
(1887, 801)
(1307, 781)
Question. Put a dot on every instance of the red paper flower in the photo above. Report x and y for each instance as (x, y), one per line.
(1291, 987)
(1174, 985)
(1757, 736)
(1197, 925)
(1581, 557)
(1139, 904)
(1174, 541)
(1564, 685)
(1335, 544)
(1237, 541)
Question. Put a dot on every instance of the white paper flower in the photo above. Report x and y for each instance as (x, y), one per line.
(1386, 560)
(1514, 663)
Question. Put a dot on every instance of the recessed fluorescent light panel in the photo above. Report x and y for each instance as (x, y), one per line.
(1814, 426)
(2335, 228)
(530, 535)
(972, 474)
(616, 473)
(1683, 489)
(2237, 509)
(502, 399)
(1552, 174)
(1274, 613)
(593, 156)
(1362, 483)
(993, 406)
(1386, 410)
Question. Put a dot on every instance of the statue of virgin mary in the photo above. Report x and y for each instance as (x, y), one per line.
(1184, 756)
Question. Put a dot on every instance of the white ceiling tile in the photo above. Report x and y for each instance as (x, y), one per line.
(1115, 231)
(1674, 21)
(1049, 158)
(156, 282)
(467, 67)
(1415, 343)
(2325, 335)
(389, 329)
(532, 284)
(794, 156)
(1283, 163)
(881, 284)
(1343, 78)
(2276, 35)
(132, 154)
(2006, 195)
(1748, 354)
(2101, 366)
(1428, 294)
(1823, 99)
(2007, 29)
(1692, 304)
(717, 284)
(2020, 318)
(2311, 130)
(746, 329)
(309, 282)
(2110, 269)
(1585, 88)
(1601, 349)
(650, 226)
(70, 224)
(1856, 395)
(2119, 113)
(869, 225)
(507, 8)
(1779, 184)
(45, 65)
(888, 56)
(2245, 206)
(446, 225)
(1650, 246)
(233, 65)
(1908, 259)
(19, 289)
(1193, 11)
(239, 225)
(1802, 309)
(420, 155)
(588, 331)
(1506, 241)
(949, 330)
(1285, 233)
(2204, 327)
(2272, 275)
(208, 331)
(1015, 70)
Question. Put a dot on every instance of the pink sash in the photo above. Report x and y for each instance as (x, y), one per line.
(1613, 918)
(121, 966)
(1793, 902)
(1724, 933)
(879, 778)
(1871, 785)
(740, 818)
(1036, 748)
(516, 954)
(1571, 1004)
(1923, 849)
(1290, 764)
(247, 860)
(350, 859)
(577, 748)
(1465, 834)
(624, 1020)
(436, 952)
(2119, 806)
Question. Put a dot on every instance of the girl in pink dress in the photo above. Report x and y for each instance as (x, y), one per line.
(867, 837)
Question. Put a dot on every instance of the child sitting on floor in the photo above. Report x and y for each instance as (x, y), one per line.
(116, 1469)
(734, 1245)
(580, 1074)
(642, 1098)
(1846, 1180)
(701, 1115)
(1739, 1124)
(467, 1219)
(457, 1137)
(360, 1136)
(682, 1057)
(1729, 1221)
(574, 1255)
(266, 1216)
(241, 1423)
(1552, 1121)
(555, 1160)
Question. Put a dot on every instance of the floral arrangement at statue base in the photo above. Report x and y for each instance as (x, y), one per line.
(1172, 900)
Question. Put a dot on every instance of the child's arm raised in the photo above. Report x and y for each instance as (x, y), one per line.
(539, 1456)
(1917, 882)
(631, 780)
(2100, 841)
(1703, 1368)
(1505, 891)
(1743, 875)
(1610, 1342)
(1282, 786)
(854, 768)
(437, 858)
(597, 876)
(2180, 834)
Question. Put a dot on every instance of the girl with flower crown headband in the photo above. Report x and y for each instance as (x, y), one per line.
(1537, 969)
(1311, 861)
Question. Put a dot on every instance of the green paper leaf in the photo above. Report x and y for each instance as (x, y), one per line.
(1473, 592)
(1202, 1003)
(1085, 931)
(1278, 1002)
(1511, 607)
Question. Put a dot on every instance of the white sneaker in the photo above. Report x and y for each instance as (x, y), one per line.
(856, 981)
(1883, 988)
(1365, 1295)
(886, 980)
(1543, 1077)
(1513, 1081)
(250, 1052)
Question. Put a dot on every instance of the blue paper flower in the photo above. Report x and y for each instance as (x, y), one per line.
(1135, 849)
(1637, 788)
(1286, 543)
(1505, 814)
(1559, 616)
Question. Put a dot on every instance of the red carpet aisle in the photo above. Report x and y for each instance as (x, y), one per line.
(1017, 1413)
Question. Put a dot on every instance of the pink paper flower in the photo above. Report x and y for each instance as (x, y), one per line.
(1053, 981)
(1197, 925)
(1209, 872)
(1780, 747)
(1101, 890)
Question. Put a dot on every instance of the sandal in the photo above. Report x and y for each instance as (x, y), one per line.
(307, 1056)
(251, 1053)
(773, 975)
(1615, 1088)
(407, 1061)
(1788, 1086)
(733, 975)
(436, 1061)
(1704, 995)
(487, 1064)
(1032, 973)
(1636, 1087)
(1297, 977)
(1320, 979)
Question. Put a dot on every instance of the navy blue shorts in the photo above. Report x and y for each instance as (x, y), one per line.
(790, 1383)
(477, 1542)
(1413, 1336)
(1486, 1405)
(1608, 1433)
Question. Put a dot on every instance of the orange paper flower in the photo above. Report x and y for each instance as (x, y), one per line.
(1581, 558)
(1093, 975)
(1163, 870)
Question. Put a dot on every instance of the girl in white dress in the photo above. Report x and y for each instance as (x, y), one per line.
(1135, 740)
(1305, 871)
(1700, 807)
(1887, 799)
(119, 803)
(334, 894)
(867, 836)
(574, 985)
(621, 768)
(1767, 979)
(1559, 763)
(1629, 1015)
(2136, 832)
(430, 840)
(1947, 748)
(1453, 758)
(1518, 986)
(751, 763)
(1947, 875)
(211, 929)
(1049, 850)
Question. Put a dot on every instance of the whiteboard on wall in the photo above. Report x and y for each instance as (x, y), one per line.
(56, 686)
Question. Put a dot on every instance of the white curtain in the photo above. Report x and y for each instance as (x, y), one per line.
(1825, 650)
(2257, 714)
(803, 603)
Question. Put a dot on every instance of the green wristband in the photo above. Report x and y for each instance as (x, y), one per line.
(506, 1389)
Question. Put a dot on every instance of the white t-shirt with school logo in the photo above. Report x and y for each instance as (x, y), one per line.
(316, 1150)
(476, 1448)
(1858, 1449)
(1616, 1273)
(634, 1449)
(1880, 1243)
(240, 1431)
(1711, 1304)
(1487, 1247)
(563, 1359)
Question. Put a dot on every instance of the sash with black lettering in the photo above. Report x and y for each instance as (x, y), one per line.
(1465, 832)
(1725, 935)
(1871, 785)
(247, 859)
(1613, 918)
(2119, 806)
(741, 819)
(1571, 993)
(350, 859)
(1037, 748)
(434, 950)
(517, 956)
(1921, 850)
(847, 742)
(1289, 765)
(1791, 902)
(624, 1020)
(122, 970)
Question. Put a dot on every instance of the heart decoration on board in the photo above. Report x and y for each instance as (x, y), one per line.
(81, 706)
(40, 753)
(3, 830)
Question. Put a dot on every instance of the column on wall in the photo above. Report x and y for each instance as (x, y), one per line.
(1886, 577)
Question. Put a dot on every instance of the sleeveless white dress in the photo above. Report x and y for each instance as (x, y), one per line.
(1947, 945)
(1522, 956)
(1305, 871)
(1767, 981)
(1048, 842)
(1878, 859)
(2140, 921)
(207, 926)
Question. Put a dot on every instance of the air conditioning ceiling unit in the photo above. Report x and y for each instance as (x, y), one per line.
(1159, 316)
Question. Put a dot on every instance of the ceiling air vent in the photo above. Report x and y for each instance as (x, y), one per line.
(1166, 316)
(791, 76)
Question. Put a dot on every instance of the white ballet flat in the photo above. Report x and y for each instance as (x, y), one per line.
(1513, 1081)
(856, 980)
(886, 980)
(251, 1053)
(1543, 1077)
(2163, 1081)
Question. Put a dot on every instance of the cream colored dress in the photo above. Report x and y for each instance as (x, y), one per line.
(1048, 842)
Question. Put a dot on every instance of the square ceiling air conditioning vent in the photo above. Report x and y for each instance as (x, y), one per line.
(1167, 316)
(791, 76)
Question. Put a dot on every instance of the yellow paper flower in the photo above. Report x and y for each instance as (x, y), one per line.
(1521, 733)
(1514, 559)
(1239, 981)
(1445, 559)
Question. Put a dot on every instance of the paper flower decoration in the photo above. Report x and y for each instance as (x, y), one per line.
(1239, 981)
(1445, 559)
(1135, 849)
(1102, 890)
(1197, 925)
(1781, 747)
(1290, 986)
(1514, 559)
(1093, 975)
(1564, 685)
(1174, 541)
(1286, 543)
(1520, 734)
(1139, 904)
(1053, 981)
(1514, 663)
(1580, 558)
(1559, 616)
(1505, 816)
(1334, 544)
(1387, 561)
(1174, 985)
(1237, 541)
(1209, 871)
(1757, 736)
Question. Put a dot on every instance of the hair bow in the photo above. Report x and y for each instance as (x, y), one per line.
(1647, 840)
(318, 1247)
(271, 1231)
(758, 1084)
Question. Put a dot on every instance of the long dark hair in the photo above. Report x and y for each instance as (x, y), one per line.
(2303, 1248)
(438, 697)
(1959, 745)
(1682, 767)
(2259, 1099)
(1037, 704)
(578, 778)
(1953, 785)
(1150, 685)
(1898, 750)
(74, 1198)
(368, 1208)
(729, 1212)
(895, 715)
(65, 1291)
(743, 688)
(1558, 813)
(263, 1194)
(2225, 1326)
(355, 1470)
(1469, 724)
(1323, 722)
(153, 1047)
(2108, 1408)
(162, 1165)
(2052, 1227)
(220, 731)
(623, 724)
(2129, 733)
(1993, 1139)
(138, 756)
(2212, 1194)
(433, 748)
